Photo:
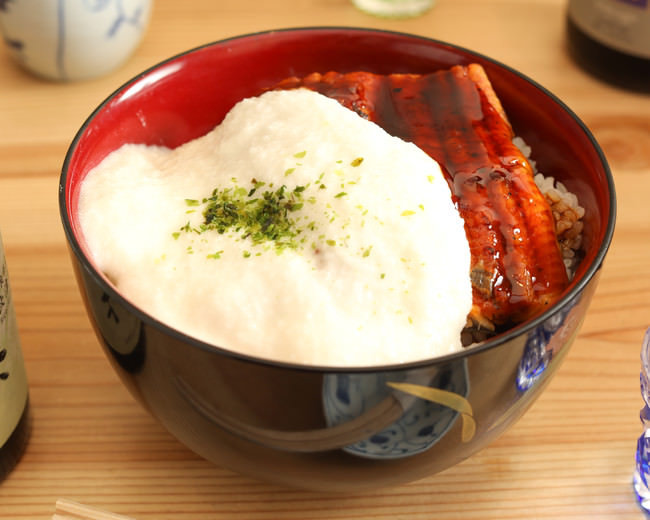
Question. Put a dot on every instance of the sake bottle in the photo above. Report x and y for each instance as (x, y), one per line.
(14, 400)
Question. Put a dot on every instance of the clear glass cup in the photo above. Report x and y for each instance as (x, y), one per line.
(642, 470)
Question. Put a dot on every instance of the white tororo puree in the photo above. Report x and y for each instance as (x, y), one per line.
(382, 278)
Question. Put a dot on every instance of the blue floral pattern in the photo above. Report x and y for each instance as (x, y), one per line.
(423, 423)
(96, 6)
(539, 349)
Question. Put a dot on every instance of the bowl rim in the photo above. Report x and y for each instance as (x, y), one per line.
(505, 337)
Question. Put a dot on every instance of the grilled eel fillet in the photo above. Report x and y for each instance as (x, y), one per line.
(455, 116)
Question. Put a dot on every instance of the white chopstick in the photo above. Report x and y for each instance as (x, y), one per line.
(68, 510)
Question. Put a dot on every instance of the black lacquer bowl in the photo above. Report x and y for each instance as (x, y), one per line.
(327, 428)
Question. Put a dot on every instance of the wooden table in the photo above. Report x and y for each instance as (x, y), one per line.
(571, 456)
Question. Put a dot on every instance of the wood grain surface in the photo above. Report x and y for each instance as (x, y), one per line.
(570, 457)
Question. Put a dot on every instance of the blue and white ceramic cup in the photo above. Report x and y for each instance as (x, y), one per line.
(70, 40)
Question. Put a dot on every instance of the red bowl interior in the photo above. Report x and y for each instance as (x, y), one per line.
(186, 96)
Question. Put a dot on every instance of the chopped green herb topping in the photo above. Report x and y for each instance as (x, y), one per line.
(261, 219)
(263, 214)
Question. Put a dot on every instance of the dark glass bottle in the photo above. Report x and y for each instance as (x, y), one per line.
(14, 399)
(610, 39)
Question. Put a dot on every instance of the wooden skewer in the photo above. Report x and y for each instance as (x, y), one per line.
(68, 510)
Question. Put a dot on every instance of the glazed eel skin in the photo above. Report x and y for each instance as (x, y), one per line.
(455, 116)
